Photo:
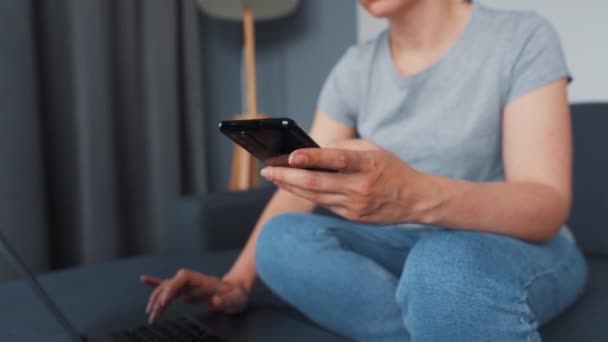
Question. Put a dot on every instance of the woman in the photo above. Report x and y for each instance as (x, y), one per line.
(455, 193)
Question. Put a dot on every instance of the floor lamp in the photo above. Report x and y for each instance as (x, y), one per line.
(244, 172)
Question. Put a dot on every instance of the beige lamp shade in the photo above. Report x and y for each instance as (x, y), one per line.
(233, 9)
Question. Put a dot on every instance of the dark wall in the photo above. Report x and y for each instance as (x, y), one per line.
(21, 187)
(294, 55)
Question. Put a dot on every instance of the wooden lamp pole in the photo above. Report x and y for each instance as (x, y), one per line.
(244, 172)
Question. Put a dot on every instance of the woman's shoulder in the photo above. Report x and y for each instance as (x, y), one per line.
(513, 25)
(526, 45)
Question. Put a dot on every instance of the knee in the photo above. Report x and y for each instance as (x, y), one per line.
(275, 236)
(455, 262)
(278, 237)
(436, 267)
(450, 277)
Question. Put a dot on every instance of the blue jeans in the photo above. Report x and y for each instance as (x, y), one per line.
(384, 283)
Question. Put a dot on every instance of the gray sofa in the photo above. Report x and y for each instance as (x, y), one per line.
(222, 221)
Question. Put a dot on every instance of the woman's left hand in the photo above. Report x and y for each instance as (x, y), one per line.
(372, 186)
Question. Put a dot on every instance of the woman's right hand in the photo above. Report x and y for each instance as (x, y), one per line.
(194, 287)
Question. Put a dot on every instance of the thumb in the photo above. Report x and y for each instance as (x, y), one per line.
(216, 301)
(229, 302)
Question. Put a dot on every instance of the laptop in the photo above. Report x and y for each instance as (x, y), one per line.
(181, 329)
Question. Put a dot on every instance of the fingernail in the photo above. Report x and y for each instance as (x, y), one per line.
(266, 172)
(298, 160)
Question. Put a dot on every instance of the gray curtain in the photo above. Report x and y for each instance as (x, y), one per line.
(103, 122)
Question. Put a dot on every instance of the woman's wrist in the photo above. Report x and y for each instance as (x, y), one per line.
(425, 198)
(244, 281)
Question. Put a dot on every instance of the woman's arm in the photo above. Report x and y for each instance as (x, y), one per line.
(537, 151)
(324, 131)
(230, 294)
(376, 187)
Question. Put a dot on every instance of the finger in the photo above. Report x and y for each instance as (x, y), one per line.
(157, 310)
(153, 298)
(355, 145)
(206, 283)
(151, 281)
(171, 289)
(175, 286)
(230, 302)
(220, 303)
(329, 158)
(155, 314)
(217, 304)
(197, 294)
(306, 179)
(189, 286)
(322, 198)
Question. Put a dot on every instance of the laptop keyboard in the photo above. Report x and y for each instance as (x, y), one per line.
(183, 329)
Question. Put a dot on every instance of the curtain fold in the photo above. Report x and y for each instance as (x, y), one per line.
(22, 207)
(121, 123)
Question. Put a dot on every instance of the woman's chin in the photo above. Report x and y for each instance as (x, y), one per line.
(383, 8)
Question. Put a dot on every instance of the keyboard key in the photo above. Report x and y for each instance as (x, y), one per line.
(183, 329)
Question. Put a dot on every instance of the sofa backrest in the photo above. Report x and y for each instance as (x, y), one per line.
(589, 215)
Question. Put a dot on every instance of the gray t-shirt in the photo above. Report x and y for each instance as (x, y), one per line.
(446, 119)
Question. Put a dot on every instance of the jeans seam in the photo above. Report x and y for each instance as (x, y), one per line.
(524, 297)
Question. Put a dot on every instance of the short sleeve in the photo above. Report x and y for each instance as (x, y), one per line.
(540, 60)
(339, 95)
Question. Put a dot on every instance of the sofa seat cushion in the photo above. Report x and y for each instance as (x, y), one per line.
(587, 319)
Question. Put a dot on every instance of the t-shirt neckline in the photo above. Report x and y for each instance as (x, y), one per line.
(458, 44)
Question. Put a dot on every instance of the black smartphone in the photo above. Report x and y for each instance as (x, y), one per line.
(271, 141)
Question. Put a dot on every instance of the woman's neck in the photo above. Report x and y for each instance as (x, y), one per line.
(425, 30)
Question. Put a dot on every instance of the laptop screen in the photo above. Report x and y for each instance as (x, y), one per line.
(24, 272)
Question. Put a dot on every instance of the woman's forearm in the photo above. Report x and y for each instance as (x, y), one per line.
(243, 271)
(528, 211)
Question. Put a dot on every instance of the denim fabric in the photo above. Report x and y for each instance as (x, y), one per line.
(384, 283)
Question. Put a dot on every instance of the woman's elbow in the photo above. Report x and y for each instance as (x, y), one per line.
(558, 212)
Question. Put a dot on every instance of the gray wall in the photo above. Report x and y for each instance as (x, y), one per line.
(295, 55)
(21, 187)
